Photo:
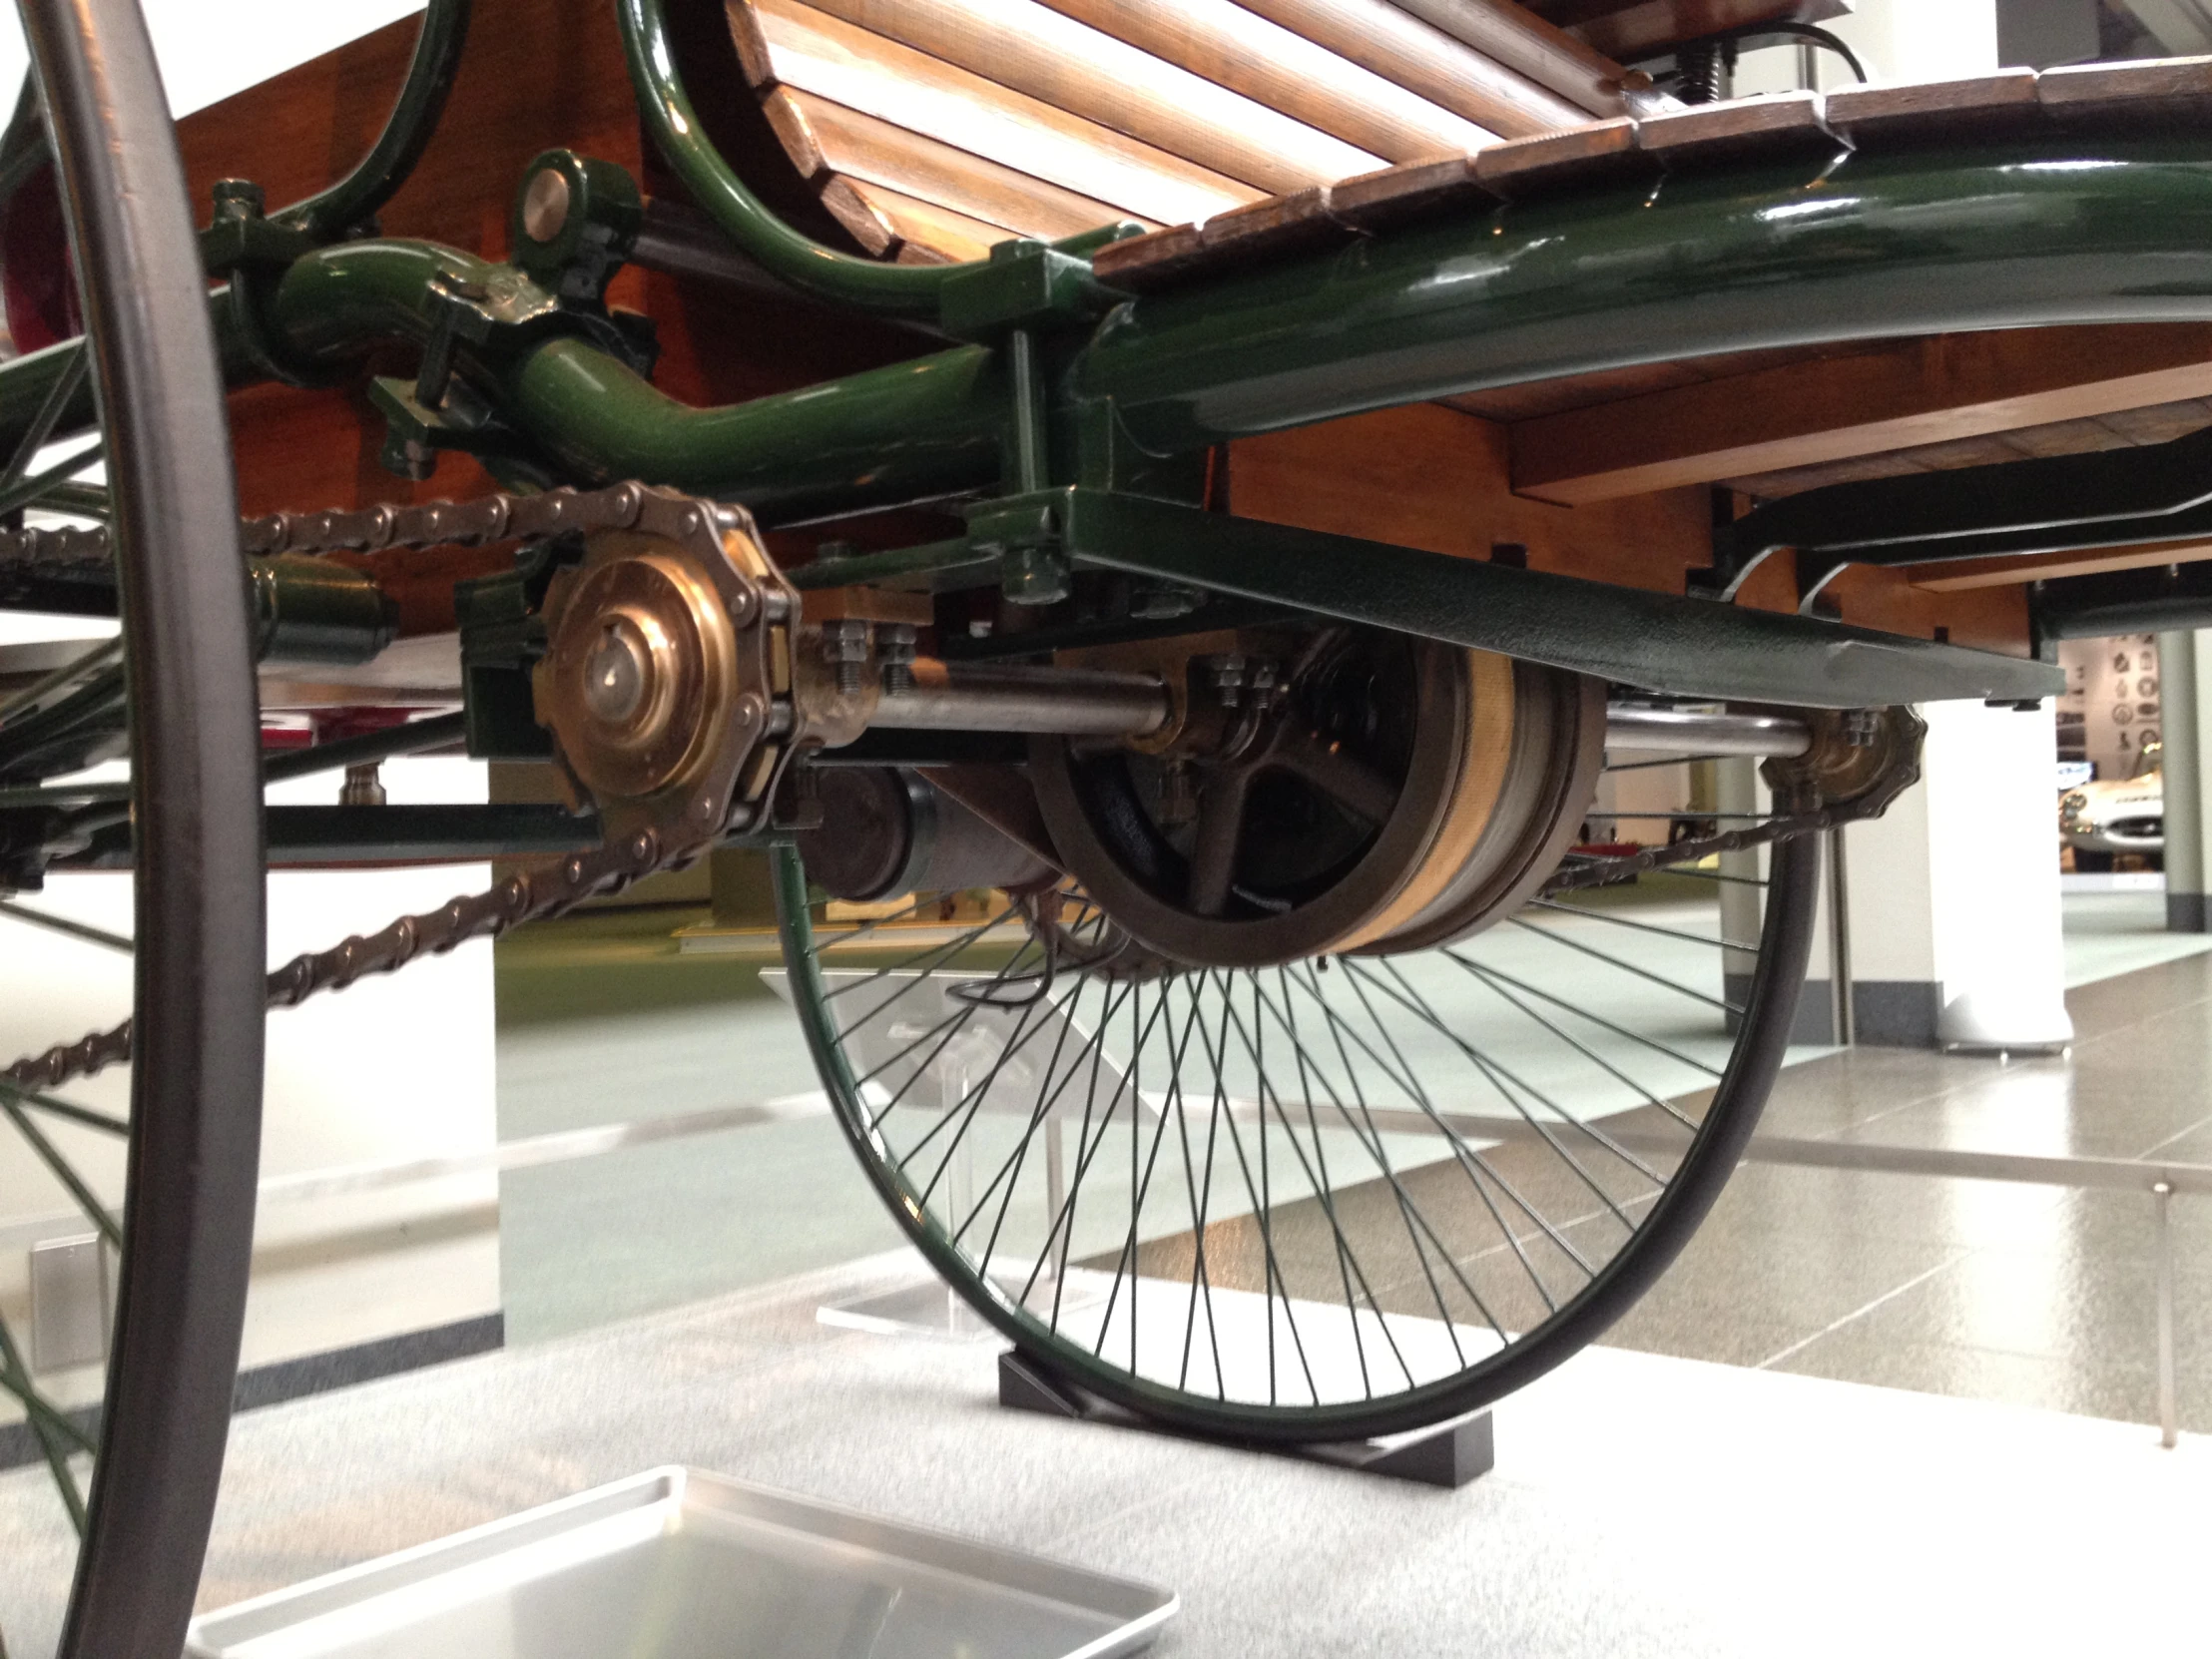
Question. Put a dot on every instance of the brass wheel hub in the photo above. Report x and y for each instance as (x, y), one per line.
(666, 679)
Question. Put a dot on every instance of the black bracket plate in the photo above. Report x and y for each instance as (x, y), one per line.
(1449, 1454)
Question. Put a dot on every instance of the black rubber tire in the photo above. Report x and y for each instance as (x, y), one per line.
(1761, 1035)
(196, 1083)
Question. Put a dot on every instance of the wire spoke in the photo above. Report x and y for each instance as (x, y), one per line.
(1558, 938)
(1486, 971)
(63, 924)
(87, 1199)
(1642, 926)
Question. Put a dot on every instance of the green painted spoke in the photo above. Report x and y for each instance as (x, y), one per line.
(87, 1199)
(25, 492)
(46, 1427)
(1475, 1165)
(1558, 938)
(1501, 1075)
(1565, 1035)
(1643, 926)
(1483, 970)
(64, 387)
(63, 924)
(84, 1116)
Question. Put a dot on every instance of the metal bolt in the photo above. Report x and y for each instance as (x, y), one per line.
(1226, 673)
(447, 295)
(894, 649)
(238, 199)
(1262, 680)
(545, 205)
(615, 674)
(363, 787)
(1178, 797)
(1163, 600)
(1033, 576)
(844, 646)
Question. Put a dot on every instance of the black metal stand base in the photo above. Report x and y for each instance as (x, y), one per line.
(1448, 1454)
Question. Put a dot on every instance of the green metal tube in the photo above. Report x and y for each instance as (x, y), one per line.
(354, 198)
(1875, 247)
(887, 436)
(896, 290)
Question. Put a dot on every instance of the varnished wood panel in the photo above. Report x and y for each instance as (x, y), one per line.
(1035, 50)
(817, 53)
(1435, 478)
(955, 237)
(861, 147)
(1304, 79)
(1936, 391)
(1495, 31)
(1431, 477)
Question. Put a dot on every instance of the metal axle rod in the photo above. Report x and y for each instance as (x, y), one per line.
(1081, 702)
(1631, 726)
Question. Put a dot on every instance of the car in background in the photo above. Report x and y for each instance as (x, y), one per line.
(2101, 820)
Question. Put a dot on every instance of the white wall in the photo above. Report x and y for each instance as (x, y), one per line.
(1896, 40)
(209, 49)
(393, 1069)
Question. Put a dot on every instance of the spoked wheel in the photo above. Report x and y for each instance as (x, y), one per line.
(175, 693)
(1324, 1121)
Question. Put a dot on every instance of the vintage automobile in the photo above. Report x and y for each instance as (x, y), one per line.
(1175, 507)
(2109, 817)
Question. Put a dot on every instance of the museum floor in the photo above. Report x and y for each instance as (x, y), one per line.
(1813, 1491)
(1641, 1505)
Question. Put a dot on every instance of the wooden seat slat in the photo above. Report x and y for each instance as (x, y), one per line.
(1778, 128)
(2121, 100)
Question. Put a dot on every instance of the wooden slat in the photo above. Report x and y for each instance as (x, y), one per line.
(1031, 49)
(862, 148)
(1984, 107)
(1400, 48)
(1230, 46)
(1602, 153)
(1924, 391)
(1784, 128)
(1969, 574)
(2165, 95)
(928, 225)
(865, 222)
(1376, 200)
(2121, 429)
(1517, 38)
(1143, 263)
(818, 53)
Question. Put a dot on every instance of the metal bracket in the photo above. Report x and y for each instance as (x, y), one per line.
(1448, 1454)
(1657, 641)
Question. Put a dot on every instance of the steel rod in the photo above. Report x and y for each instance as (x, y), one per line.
(1631, 726)
(1070, 702)
(2170, 1425)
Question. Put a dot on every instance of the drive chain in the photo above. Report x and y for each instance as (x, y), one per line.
(548, 890)
(534, 894)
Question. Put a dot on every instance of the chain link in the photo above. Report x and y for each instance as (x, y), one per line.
(534, 894)
(549, 890)
(1599, 873)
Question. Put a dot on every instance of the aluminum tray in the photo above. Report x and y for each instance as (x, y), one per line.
(680, 1565)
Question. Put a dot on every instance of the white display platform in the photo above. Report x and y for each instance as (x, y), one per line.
(1639, 1506)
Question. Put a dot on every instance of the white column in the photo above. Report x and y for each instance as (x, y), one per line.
(2185, 680)
(1954, 923)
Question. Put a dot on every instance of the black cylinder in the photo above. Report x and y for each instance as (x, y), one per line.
(888, 831)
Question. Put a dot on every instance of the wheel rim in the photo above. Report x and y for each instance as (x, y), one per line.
(184, 673)
(1286, 1202)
